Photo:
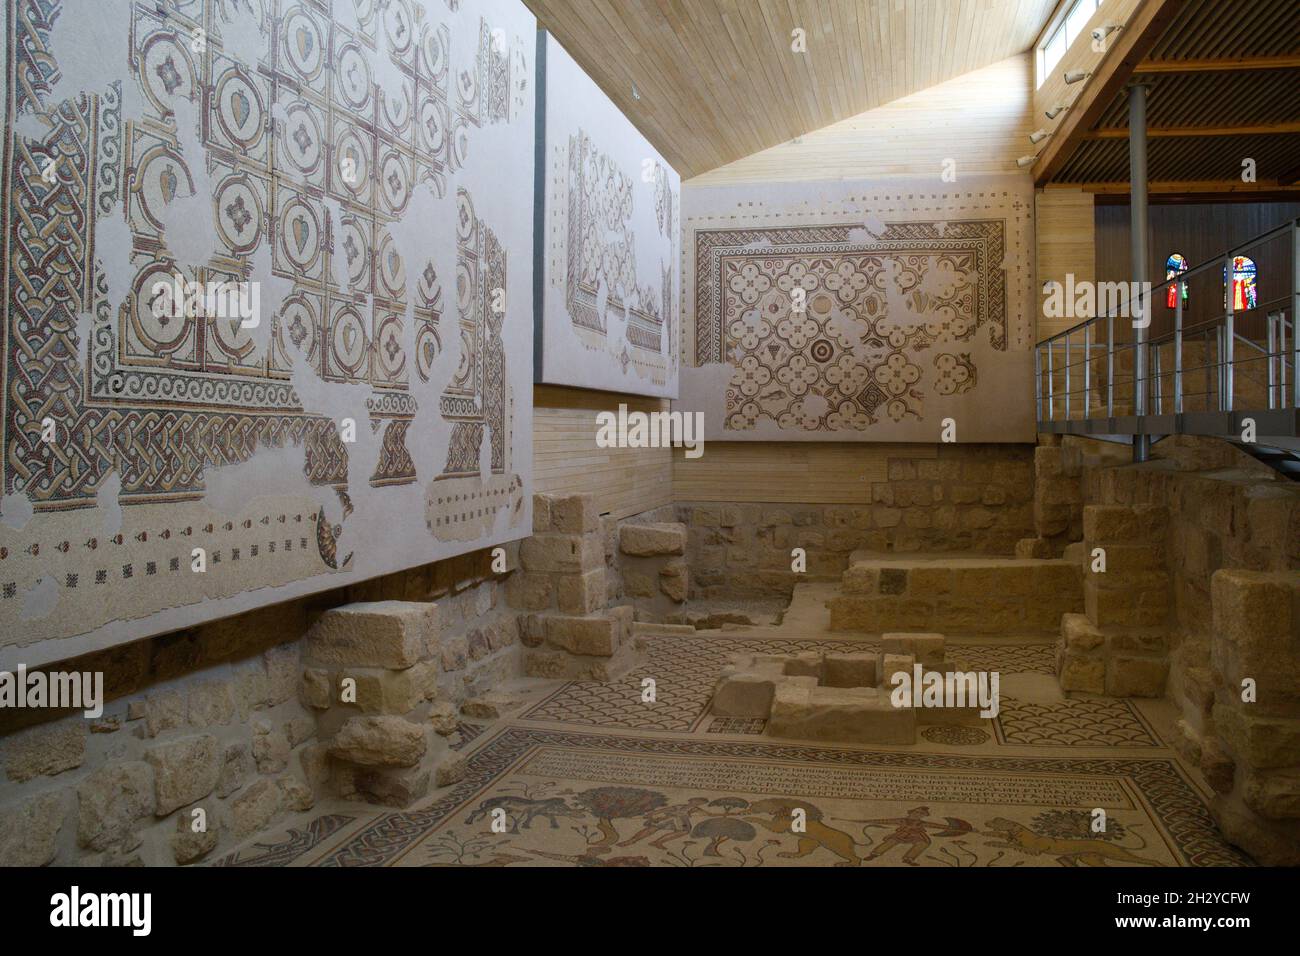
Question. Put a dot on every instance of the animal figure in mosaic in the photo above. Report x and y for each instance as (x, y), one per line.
(818, 834)
(1068, 852)
(523, 810)
(672, 822)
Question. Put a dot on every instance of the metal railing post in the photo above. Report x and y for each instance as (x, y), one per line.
(1038, 382)
(1087, 370)
(1178, 351)
(1110, 366)
(1051, 385)
(1295, 315)
(1229, 338)
(1158, 379)
(1271, 335)
(1067, 376)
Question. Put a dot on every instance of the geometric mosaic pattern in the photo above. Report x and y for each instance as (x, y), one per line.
(611, 228)
(833, 316)
(264, 142)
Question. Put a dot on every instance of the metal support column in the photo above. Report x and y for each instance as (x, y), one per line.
(1137, 171)
(1295, 316)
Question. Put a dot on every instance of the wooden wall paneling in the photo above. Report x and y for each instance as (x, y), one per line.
(566, 459)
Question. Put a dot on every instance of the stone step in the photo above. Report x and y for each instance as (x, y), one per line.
(972, 594)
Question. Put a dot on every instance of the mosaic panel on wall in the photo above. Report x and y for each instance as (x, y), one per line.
(610, 208)
(361, 171)
(859, 311)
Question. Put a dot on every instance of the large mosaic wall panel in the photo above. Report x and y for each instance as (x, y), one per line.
(361, 172)
(608, 244)
(853, 311)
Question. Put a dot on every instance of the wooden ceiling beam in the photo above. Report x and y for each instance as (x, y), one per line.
(1266, 129)
(1133, 44)
(1189, 191)
(1222, 65)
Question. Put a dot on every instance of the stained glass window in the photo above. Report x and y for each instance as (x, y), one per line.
(1244, 293)
(1175, 265)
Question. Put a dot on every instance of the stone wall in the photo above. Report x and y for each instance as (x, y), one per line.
(219, 718)
(971, 498)
(1232, 560)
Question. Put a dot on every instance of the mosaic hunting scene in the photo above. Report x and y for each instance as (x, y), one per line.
(573, 433)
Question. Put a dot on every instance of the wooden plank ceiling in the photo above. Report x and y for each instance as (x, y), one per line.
(717, 79)
(1223, 85)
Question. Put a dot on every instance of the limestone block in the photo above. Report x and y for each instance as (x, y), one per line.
(541, 513)
(594, 636)
(1217, 765)
(563, 553)
(29, 829)
(46, 750)
(1259, 613)
(803, 664)
(849, 670)
(1258, 741)
(451, 769)
(675, 580)
(858, 579)
(575, 514)
(1079, 635)
(1110, 607)
(808, 712)
(393, 634)
(1124, 524)
(894, 663)
(490, 706)
(294, 794)
(255, 808)
(270, 750)
(317, 689)
(442, 715)
(744, 693)
(1136, 676)
(924, 647)
(1079, 673)
(383, 741)
(1274, 794)
(530, 590)
(185, 771)
(111, 801)
(644, 540)
(1032, 548)
(187, 844)
(236, 765)
(581, 593)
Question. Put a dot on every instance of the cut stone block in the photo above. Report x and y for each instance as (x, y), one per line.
(581, 593)
(383, 741)
(563, 553)
(644, 540)
(924, 647)
(392, 634)
(744, 693)
(839, 714)
(598, 636)
(574, 514)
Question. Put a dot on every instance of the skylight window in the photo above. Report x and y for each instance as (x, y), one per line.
(1063, 35)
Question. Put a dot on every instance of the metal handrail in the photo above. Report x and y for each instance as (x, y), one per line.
(1281, 351)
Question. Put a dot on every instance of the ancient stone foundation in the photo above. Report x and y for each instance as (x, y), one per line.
(568, 632)
(1119, 645)
(839, 696)
(971, 595)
